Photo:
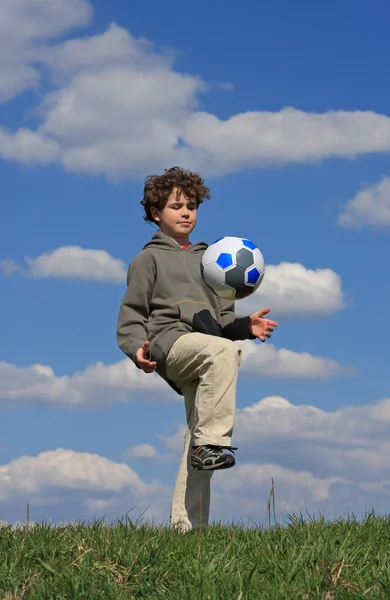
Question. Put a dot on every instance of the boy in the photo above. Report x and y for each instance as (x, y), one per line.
(172, 323)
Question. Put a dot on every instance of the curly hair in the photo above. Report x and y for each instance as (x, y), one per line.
(158, 187)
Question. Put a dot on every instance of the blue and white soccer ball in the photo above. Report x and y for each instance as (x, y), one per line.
(233, 267)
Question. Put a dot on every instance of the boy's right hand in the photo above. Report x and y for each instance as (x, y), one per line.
(142, 357)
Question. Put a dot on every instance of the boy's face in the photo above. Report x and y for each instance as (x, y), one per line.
(178, 217)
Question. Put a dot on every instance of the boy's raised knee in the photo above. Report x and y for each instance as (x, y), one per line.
(228, 348)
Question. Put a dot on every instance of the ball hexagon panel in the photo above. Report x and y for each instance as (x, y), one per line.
(244, 292)
(230, 244)
(235, 277)
(249, 244)
(210, 255)
(260, 280)
(258, 259)
(225, 260)
(244, 258)
(252, 276)
(226, 292)
(214, 273)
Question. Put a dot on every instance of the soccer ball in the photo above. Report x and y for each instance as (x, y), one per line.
(233, 267)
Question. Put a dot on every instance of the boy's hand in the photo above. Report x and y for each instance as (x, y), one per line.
(142, 357)
(261, 327)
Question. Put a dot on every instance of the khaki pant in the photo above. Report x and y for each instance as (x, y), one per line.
(205, 368)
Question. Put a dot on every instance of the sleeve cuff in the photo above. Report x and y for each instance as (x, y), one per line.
(131, 350)
(238, 330)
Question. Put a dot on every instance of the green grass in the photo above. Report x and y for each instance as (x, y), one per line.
(309, 560)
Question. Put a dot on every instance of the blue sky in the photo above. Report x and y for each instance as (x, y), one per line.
(284, 110)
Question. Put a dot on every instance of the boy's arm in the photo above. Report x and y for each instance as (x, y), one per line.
(233, 327)
(134, 310)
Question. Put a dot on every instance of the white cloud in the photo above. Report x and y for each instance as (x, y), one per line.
(319, 460)
(28, 147)
(41, 19)
(77, 484)
(98, 385)
(115, 45)
(66, 469)
(349, 441)
(290, 289)
(142, 451)
(275, 418)
(24, 26)
(77, 263)
(15, 78)
(258, 138)
(120, 108)
(294, 291)
(8, 266)
(264, 361)
(370, 207)
(146, 452)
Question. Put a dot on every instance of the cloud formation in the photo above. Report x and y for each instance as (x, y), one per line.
(73, 262)
(102, 385)
(146, 452)
(296, 292)
(349, 442)
(370, 207)
(320, 461)
(292, 290)
(9, 266)
(97, 385)
(264, 361)
(63, 484)
(24, 28)
(119, 107)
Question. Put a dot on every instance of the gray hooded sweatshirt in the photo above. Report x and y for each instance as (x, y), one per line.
(166, 297)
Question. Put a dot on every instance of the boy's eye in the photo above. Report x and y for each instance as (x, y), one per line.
(178, 206)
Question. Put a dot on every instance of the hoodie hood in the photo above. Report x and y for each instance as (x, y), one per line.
(163, 242)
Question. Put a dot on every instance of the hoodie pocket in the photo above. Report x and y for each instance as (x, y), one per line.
(200, 316)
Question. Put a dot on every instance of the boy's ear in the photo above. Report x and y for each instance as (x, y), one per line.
(154, 213)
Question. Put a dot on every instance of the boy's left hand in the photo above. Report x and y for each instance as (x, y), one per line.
(260, 327)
